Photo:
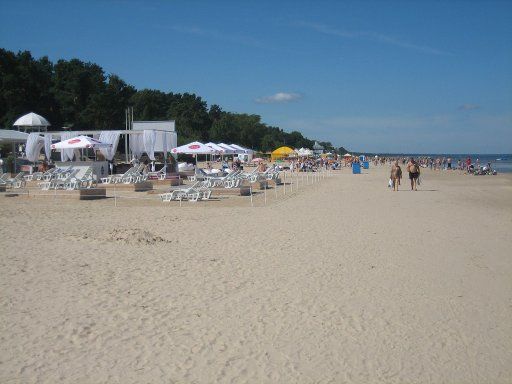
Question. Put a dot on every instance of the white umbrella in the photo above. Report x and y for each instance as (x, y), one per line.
(194, 148)
(80, 142)
(240, 148)
(347, 155)
(216, 148)
(229, 150)
(31, 120)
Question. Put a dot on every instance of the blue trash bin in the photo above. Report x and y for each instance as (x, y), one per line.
(356, 168)
(366, 164)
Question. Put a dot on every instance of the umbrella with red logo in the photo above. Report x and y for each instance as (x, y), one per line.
(80, 142)
(194, 148)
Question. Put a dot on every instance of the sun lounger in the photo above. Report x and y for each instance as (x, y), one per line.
(198, 191)
(160, 175)
(17, 181)
(4, 177)
(86, 181)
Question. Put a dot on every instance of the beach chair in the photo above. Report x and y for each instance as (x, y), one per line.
(33, 176)
(63, 173)
(197, 191)
(50, 174)
(86, 181)
(17, 181)
(231, 180)
(135, 176)
(63, 183)
(4, 177)
(159, 175)
(120, 178)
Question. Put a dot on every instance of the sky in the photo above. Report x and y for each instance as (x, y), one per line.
(384, 76)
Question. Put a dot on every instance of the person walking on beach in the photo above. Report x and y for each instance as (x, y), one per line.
(396, 175)
(414, 173)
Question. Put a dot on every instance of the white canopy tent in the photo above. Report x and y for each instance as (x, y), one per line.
(304, 152)
(32, 121)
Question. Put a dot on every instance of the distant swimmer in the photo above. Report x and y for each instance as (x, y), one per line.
(396, 175)
(414, 173)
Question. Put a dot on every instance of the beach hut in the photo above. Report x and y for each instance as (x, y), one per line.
(281, 153)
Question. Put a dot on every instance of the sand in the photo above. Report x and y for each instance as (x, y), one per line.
(342, 281)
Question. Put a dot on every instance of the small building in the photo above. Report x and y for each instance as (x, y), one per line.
(318, 149)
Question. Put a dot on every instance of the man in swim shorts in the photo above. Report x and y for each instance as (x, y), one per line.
(414, 173)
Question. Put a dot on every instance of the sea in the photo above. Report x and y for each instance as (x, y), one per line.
(500, 162)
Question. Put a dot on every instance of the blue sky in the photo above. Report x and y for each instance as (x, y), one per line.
(384, 76)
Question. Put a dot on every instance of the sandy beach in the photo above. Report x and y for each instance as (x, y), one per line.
(342, 281)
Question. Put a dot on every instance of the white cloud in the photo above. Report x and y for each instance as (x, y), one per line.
(280, 97)
(468, 107)
(216, 35)
(371, 36)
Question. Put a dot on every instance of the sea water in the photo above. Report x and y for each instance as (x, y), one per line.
(500, 162)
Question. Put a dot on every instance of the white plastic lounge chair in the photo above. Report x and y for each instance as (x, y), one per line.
(197, 191)
(86, 181)
(17, 181)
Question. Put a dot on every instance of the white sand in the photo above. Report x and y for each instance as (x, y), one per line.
(345, 281)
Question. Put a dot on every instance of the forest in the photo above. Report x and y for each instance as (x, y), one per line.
(80, 95)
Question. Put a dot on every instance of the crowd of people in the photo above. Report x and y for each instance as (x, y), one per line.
(439, 163)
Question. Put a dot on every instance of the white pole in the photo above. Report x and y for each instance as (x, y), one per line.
(126, 135)
(115, 196)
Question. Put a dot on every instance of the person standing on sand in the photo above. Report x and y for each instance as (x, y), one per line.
(414, 172)
(396, 175)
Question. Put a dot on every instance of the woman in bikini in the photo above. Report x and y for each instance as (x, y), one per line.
(396, 175)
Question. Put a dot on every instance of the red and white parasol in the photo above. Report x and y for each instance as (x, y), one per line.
(80, 142)
(194, 148)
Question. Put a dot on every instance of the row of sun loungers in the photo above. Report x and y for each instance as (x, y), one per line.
(198, 191)
(235, 178)
(203, 182)
(14, 182)
(70, 179)
(133, 175)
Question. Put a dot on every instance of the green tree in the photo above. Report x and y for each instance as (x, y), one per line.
(150, 104)
(76, 85)
(25, 86)
(191, 116)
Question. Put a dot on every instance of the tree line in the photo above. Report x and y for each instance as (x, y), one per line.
(80, 95)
